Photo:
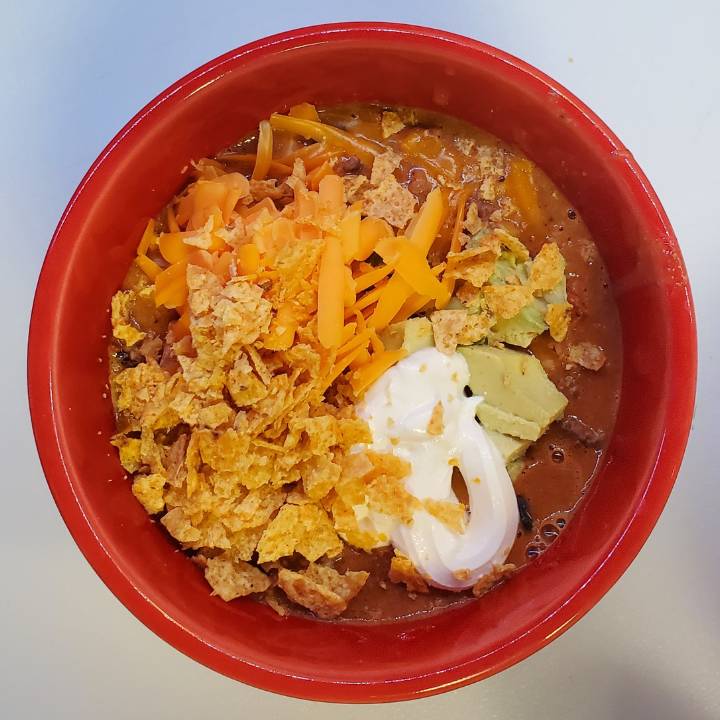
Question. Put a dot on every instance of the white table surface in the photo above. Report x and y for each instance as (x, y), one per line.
(72, 73)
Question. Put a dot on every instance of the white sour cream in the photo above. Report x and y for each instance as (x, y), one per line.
(398, 408)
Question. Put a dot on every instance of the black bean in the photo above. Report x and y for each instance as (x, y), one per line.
(468, 391)
(125, 359)
(526, 519)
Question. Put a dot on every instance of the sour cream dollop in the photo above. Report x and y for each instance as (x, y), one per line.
(398, 409)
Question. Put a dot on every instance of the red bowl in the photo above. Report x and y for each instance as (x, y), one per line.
(94, 244)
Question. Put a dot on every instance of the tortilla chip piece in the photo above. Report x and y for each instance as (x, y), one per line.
(391, 124)
(390, 201)
(231, 578)
(135, 388)
(320, 474)
(244, 542)
(241, 314)
(178, 525)
(473, 223)
(384, 165)
(513, 244)
(129, 449)
(506, 301)
(347, 527)
(557, 318)
(322, 590)
(305, 529)
(476, 328)
(387, 494)
(486, 582)
(356, 466)
(354, 431)
(244, 386)
(203, 288)
(256, 508)
(148, 489)
(451, 514)
(476, 265)
(403, 571)
(447, 326)
(548, 269)
(355, 187)
(121, 308)
(215, 415)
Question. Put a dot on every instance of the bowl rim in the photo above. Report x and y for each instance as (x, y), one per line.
(680, 400)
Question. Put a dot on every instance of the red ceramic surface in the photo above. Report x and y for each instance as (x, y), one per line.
(141, 169)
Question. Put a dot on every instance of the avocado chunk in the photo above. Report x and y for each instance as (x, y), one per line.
(411, 335)
(515, 468)
(518, 397)
(511, 448)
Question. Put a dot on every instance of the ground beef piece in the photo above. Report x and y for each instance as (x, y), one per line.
(587, 355)
(348, 165)
(280, 194)
(582, 432)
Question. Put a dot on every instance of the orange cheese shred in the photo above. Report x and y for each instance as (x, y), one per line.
(412, 267)
(429, 219)
(391, 299)
(171, 286)
(150, 268)
(350, 234)
(363, 377)
(366, 150)
(372, 277)
(331, 290)
(520, 188)
(264, 151)
(248, 259)
(371, 230)
(148, 238)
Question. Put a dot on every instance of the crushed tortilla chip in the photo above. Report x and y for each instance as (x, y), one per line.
(451, 514)
(486, 582)
(391, 124)
(506, 301)
(435, 425)
(548, 269)
(322, 590)
(403, 571)
(390, 201)
(383, 167)
(231, 578)
(305, 529)
(121, 306)
(459, 327)
(476, 265)
(148, 489)
(557, 318)
(129, 452)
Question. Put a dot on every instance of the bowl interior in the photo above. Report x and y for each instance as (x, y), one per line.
(92, 250)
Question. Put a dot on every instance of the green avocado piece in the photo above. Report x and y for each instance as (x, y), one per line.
(511, 448)
(522, 329)
(411, 335)
(515, 468)
(518, 397)
(506, 423)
